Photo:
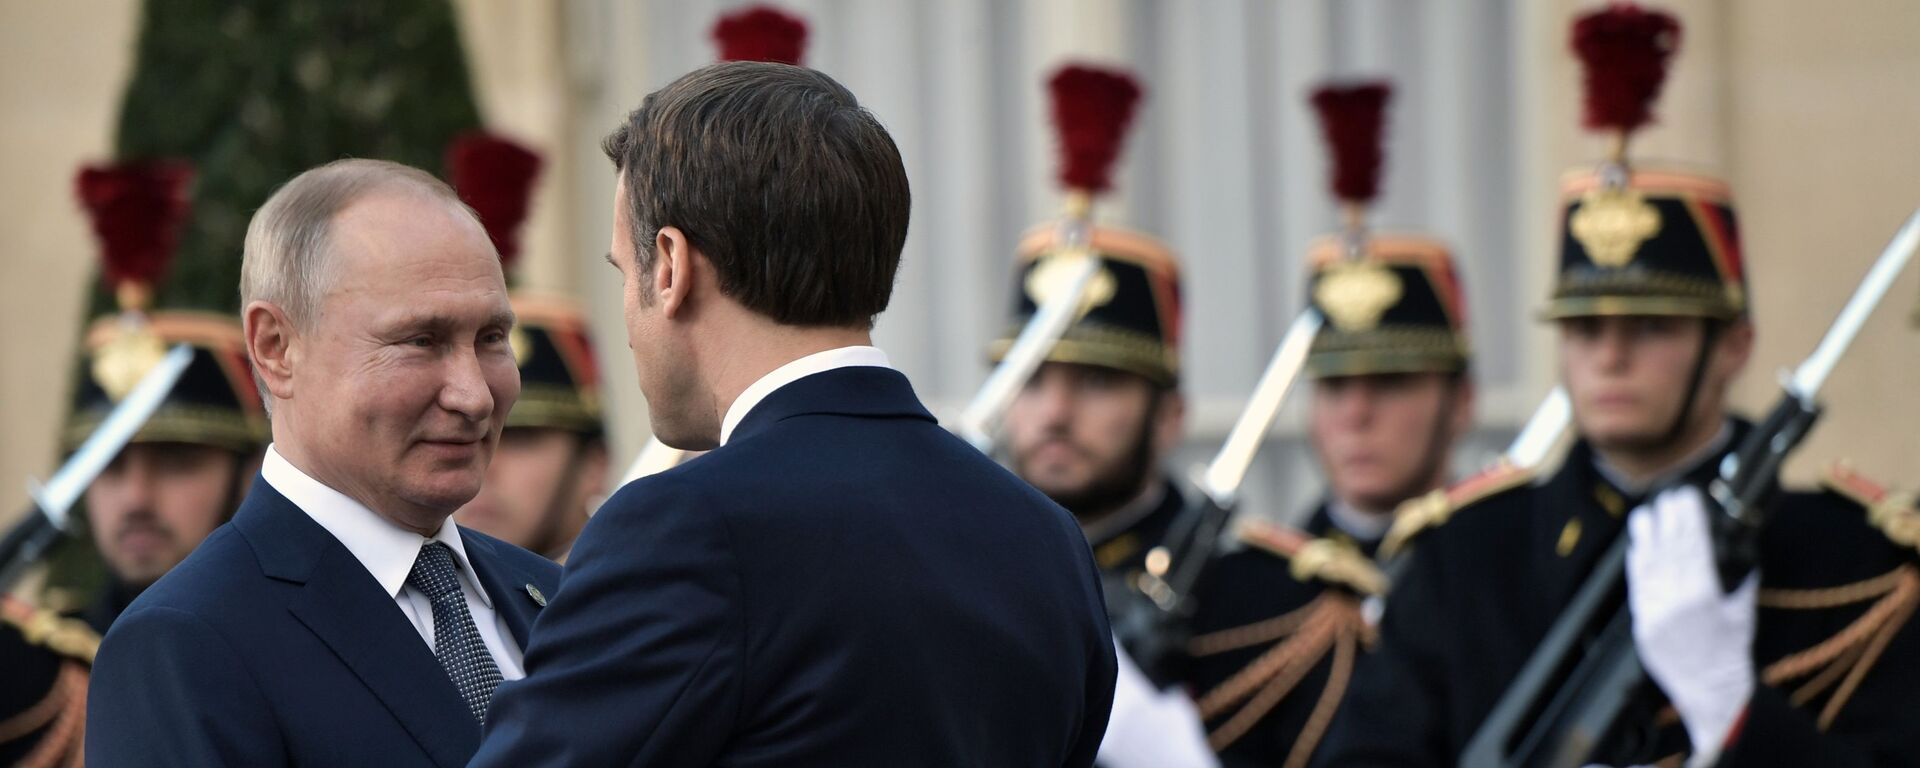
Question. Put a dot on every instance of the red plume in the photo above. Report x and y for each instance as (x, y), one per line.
(761, 33)
(1353, 117)
(1092, 108)
(138, 209)
(1624, 50)
(494, 177)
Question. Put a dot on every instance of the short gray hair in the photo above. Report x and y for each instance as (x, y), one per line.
(285, 258)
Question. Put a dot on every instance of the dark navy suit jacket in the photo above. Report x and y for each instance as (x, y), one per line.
(271, 645)
(842, 584)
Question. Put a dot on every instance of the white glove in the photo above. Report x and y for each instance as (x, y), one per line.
(1695, 640)
(1151, 728)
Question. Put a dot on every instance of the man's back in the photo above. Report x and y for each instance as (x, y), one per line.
(844, 583)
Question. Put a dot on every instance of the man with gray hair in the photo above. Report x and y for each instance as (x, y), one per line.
(341, 618)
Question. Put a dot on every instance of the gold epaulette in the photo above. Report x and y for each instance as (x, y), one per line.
(1888, 510)
(1423, 513)
(1315, 559)
(68, 637)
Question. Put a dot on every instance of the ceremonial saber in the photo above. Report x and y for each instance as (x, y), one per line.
(48, 520)
(979, 423)
(1222, 478)
(1574, 687)
(1542, 432)
(1155, 631)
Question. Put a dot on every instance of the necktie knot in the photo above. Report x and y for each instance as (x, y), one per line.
(435, 573)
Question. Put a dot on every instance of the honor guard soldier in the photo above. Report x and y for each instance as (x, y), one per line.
(178, 478)
(184, 472)
(1274, 646)
(1094, 425)
(1814, 665)
(550, 470)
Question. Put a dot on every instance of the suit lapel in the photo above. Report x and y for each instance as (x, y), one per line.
(346, 609)
(505, 586)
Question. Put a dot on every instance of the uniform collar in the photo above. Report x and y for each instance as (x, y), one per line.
(1684, 468)
(818, 362)
(386, 550)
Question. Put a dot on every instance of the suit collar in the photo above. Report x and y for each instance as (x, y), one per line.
(856, 391)
(818, 362)
(342, 604)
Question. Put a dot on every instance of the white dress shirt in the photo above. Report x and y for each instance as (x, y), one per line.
(818, 362)
(388, 552)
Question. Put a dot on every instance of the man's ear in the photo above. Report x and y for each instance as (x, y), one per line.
(269, 336)
(674, 263)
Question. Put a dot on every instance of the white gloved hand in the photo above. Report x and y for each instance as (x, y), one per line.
(1151, 728)
(1695, 640)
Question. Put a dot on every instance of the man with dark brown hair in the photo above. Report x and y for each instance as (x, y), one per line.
(840, 582)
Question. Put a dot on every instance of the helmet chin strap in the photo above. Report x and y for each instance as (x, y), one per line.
(1709, 335)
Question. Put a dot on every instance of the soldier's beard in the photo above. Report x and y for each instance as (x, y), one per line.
(1113, 486)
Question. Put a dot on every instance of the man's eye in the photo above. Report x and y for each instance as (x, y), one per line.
(420, 342)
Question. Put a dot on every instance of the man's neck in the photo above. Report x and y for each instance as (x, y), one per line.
(1107, 524)
(754, 355)
(1637, 471)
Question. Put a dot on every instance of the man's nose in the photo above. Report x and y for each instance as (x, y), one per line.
(465, 390)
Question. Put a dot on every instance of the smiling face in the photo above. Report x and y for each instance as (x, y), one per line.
(402, 384)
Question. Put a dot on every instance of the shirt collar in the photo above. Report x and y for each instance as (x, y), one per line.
(1360, 525)
(1684, 467)
(818, 362)
(386, 550)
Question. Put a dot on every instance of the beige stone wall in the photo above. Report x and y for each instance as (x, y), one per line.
(61, 74)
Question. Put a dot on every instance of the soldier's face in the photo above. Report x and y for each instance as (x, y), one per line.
(1628, 376)
(537, 489)
(1087, 436)
(404, 382)
(1383, 439)
(155, 503)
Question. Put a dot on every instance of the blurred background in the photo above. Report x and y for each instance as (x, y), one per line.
(1809, 109)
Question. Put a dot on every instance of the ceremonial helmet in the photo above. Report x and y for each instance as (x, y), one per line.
(1392, 302)
(137, 210)
(1130, 318)
(1640, 241)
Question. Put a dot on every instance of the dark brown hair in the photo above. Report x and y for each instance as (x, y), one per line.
(794, 192)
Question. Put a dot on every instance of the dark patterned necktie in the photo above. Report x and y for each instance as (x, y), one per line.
(456, 643)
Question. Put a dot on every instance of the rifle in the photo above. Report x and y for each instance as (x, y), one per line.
(1582, 678)
(1151, 617)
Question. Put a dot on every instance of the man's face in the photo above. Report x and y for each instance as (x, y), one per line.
(1628, 376)
(675, 401)
(1383, 439)
(405, 379)
(155, 503)
(537, 489)
(1085, 435)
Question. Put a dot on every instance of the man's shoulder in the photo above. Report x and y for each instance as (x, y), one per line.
(214, 580)
(1852, 528)
(1482, 504)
